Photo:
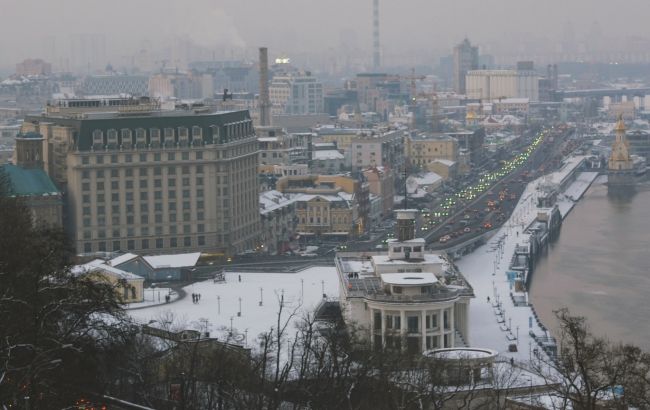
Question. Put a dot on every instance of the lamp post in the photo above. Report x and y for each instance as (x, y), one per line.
(261, 296)
(239, 313)
(218, 304)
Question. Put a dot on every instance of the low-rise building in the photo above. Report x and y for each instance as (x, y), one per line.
(422, 149)
(278, 220)
(326, 159)
(405, 298)
(445, 168)
(328, 215)
(128, 286)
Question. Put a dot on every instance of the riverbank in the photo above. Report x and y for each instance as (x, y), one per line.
(498, 320)
(598, 268)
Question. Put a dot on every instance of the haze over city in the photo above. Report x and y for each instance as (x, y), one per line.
(411, 31)
(315, 205)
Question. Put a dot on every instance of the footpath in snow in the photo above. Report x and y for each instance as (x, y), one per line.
(495, 321)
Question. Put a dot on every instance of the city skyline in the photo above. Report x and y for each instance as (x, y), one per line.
(76, 35)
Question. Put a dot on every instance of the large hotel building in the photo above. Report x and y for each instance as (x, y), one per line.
(140, 179)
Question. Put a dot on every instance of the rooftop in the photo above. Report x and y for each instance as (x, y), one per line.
(29, 182)
(411, 278)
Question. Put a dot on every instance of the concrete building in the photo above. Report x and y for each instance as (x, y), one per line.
(465, 59)
(277, 147)
(278, 221)
(406, 299)
(114, 84)
(140, 179)
(33, 67)
(381, 182)
(377, 148)
(181, 86)
(471, 142)
(422, 150)
(639, 141)
(296, 93)
(500, 84)
(326, 159)
(518, 106)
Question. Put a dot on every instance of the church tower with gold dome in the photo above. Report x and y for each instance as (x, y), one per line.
(620, 165)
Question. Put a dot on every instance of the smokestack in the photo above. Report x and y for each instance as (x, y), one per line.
(376, 57)
(265, 103)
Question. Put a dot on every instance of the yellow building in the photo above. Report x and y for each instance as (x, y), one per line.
(128, 286)
(326, 215)
(445, 168)
(423, 150)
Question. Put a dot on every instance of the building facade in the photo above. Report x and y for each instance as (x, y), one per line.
(154, 182)
(296, 93)
(423, 150)
(500, 84)
(406, 299)
(381, 182)
(465, 59)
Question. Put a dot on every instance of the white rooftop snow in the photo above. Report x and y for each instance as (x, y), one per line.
(180, 260)
(327, 154)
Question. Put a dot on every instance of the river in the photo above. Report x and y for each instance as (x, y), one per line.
(600, 267)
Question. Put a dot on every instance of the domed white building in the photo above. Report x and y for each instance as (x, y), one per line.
(406, 298)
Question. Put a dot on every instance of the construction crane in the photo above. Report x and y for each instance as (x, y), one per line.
(413, 89)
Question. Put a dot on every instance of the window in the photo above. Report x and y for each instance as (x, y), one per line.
(130, 244)
(157, 171)
(199, 169)
(398, 323)
(159, 220)
(113, 159)
(88, 247)
(185, 156)
(171, 170)
(111, 137)
(144, 208)
(144, 219)
(129, 184)
(145, 244)
(171, 182)
(115, 185)
(445, 319)
(116, 245)
(99, 173)
(143, 183)
(140, 137)
(129, 196)
(98, 137)
(199, 205)
(171, 156)
(412, 322)
(114, 173)
(85, 186)
(100, 186)
(130, 232)
(185, 170)
(144, 231)
(173, 243)
(154, 137)
(199, 181)
(199, 155)
(143, 157)
(126, 135)
(397, 289)
(158, 207)
(201, 240)
(129, 172)
(159, 243)
(144, 195)
(187, 241)
(143, 172)
(156, 157)
(85, 160)
(172, 217)
(100, 197)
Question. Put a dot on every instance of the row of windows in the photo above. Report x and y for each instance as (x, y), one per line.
(144, 231)
(143, 171)
(144, 157)
(157, 183)
(100, 220)
(335, 220)
(159, 243)
(144, 195)
(158, 207)
(126, 134)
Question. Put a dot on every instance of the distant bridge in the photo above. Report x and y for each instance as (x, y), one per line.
(600, 93)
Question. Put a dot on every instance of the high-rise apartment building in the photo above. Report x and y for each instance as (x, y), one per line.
(465, 59)
(296, 94)
(151, 181)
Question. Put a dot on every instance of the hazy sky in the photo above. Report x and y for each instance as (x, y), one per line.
(33, 28)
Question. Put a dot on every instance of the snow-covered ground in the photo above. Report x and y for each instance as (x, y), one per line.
(154, 296)
(220, 302)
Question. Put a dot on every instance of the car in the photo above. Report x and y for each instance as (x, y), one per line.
(467, 230)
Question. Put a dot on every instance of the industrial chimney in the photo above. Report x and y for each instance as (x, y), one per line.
(265, 103)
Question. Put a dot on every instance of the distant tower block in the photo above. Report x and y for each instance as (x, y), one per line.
(376, 56)
(264, 103)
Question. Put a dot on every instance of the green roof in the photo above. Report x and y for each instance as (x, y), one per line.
(29, 182)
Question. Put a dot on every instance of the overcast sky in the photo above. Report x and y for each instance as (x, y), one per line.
(33, 28)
